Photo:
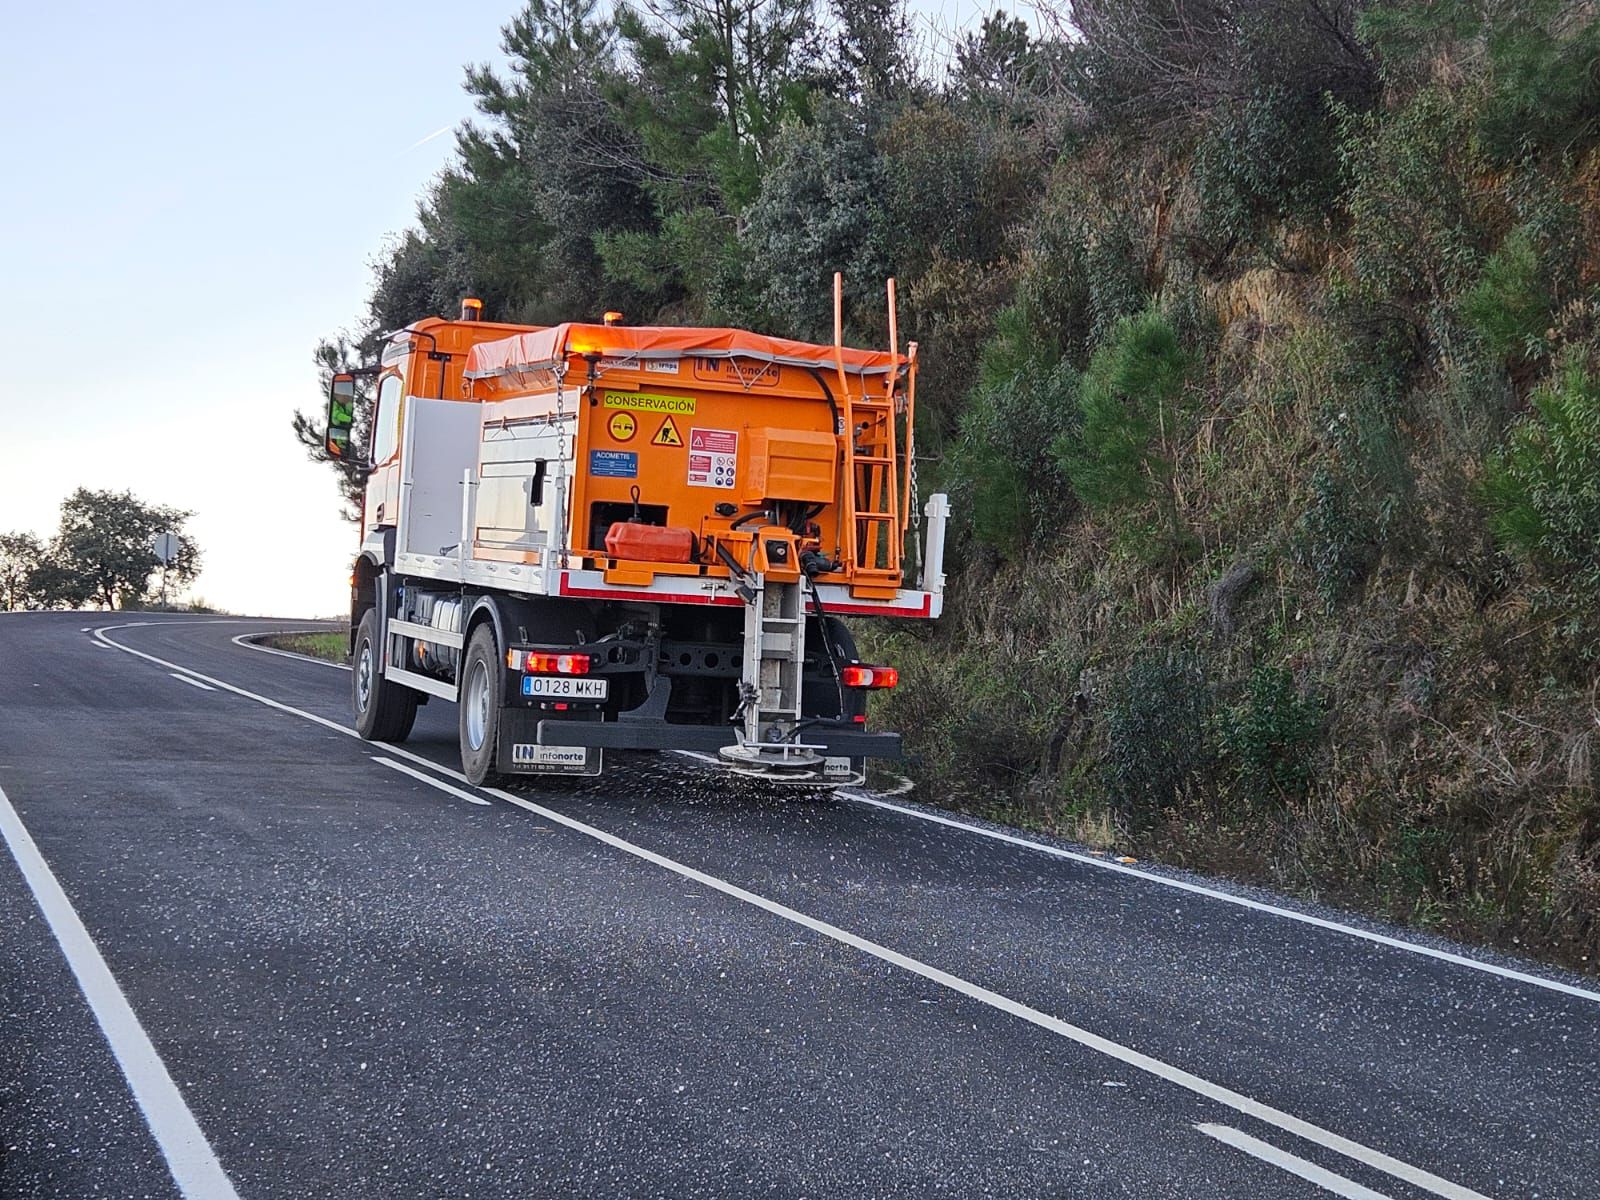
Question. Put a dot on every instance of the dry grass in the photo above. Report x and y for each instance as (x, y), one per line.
(332, 647)
(1456, 785)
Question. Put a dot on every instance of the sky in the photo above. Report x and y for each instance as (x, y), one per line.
(195, 194)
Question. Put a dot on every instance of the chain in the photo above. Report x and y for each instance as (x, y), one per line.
(916, 496)
(558, 530)
(916, 501)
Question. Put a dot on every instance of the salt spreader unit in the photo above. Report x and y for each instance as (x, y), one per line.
(601, 536)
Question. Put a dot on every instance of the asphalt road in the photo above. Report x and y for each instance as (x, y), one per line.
(332, 969)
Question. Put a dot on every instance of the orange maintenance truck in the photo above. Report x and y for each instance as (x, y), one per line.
(597, 536)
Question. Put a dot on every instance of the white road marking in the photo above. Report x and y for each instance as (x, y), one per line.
(1083, 1037)
(189, 1156)
(244, 640)
(191, 682)
(416, 774)
(1295, 1165)
(1184, 1079)
(224, 685)
(1182, 885)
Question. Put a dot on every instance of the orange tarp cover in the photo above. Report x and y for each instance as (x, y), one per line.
(545, 347)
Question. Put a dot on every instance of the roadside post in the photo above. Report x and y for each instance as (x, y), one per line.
(165, 548)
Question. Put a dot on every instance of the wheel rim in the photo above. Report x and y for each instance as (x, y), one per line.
(364, 676)
(477, 705)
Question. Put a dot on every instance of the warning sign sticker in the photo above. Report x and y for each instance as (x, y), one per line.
(667, 435)
(623, 426)
(651, 402)
(713, 457)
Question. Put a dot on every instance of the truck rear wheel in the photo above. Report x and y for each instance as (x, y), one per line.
(385, 711)
(482, 677)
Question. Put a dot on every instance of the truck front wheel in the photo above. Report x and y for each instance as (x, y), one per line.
(481, 682)
(385, 711)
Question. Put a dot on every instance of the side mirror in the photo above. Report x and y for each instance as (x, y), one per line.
(341, 415)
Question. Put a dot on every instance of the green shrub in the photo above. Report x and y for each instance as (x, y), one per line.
(953, 187)
(1510, 306)
(1126, 399)
(1543, 488)
(1116, 278)
(984, 715)
(1364, 496)
(1526, 279)
(1335, 540)
(1272, 735)
(1469, 404)
(1158, 728)
(819, 210)
(1545, 90)
(1375, 451)
(1003, 466)
(1269, 157)
(1413, 205)
(1080, 269)
(1534, 64)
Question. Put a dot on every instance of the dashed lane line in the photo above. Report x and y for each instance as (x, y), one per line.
(874, 801)
(1292, 1163)
(431, 782)
(1265, 1113)
(1237, 1101)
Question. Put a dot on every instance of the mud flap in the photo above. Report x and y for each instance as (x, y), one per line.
(519, 752)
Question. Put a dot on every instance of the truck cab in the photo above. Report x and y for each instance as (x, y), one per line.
(426, 358)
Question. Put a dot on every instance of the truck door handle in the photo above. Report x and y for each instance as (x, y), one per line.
(536, 488)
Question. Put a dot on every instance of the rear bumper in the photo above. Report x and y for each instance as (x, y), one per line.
(708, 739)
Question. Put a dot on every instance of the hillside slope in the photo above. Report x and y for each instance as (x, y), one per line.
(1261, 355)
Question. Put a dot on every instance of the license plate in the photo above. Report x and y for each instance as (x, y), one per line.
(565, 687)
(556, 760)
(837, 768)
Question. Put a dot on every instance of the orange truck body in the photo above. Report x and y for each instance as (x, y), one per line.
(635, 470)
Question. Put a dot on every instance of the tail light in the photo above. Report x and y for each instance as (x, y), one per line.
(873, 678)
(547, 662)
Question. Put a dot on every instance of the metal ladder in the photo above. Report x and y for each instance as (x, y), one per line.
(872, 466)
(874, 519)
(770, 684)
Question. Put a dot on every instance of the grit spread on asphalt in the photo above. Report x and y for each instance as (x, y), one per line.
(247, 954)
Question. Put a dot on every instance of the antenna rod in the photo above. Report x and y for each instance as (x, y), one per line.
(849, 422)
(894, 339)
(838, 331)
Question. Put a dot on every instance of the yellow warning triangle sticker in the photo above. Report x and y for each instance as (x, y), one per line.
(667, 435)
